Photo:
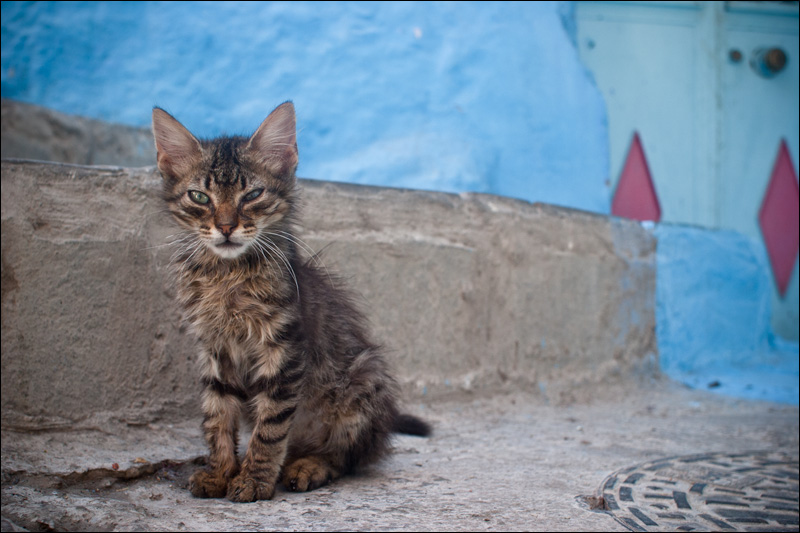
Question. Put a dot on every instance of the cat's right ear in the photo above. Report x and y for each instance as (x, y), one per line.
(178, 151)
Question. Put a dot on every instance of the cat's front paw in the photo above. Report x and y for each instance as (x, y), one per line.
(203, 484)
(243, 489)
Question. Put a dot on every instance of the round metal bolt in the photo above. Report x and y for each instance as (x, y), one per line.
(775, 59)
(768, 62)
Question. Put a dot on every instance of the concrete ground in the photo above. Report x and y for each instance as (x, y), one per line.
(508, 461)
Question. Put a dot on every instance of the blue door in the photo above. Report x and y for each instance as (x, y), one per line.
(711, 89)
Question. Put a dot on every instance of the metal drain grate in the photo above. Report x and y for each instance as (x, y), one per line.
(709, 492)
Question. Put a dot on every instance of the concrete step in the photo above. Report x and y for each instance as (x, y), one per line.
(468, 292)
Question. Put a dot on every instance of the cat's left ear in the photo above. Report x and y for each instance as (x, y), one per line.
(274, 144)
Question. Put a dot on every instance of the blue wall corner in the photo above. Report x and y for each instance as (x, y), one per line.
(713, 299)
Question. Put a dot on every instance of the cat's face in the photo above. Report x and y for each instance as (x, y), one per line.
(230, 193)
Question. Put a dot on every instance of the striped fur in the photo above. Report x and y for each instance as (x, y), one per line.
(282, 341)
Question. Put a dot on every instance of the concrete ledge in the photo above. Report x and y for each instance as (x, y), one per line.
(470, 292)
(34, 132)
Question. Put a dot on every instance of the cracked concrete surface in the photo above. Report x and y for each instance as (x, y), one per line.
(505, 461)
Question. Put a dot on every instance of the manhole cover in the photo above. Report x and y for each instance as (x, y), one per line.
(709, 492)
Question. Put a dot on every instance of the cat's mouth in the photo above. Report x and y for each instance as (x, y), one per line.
(228, 249)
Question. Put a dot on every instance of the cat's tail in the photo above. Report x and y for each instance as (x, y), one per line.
(411, 425)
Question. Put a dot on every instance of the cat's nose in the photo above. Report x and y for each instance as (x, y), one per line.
(226, 229)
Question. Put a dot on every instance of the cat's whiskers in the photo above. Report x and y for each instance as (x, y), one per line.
(183, 242)
(183, 238)
(268, 256)
(199, 246)
(258, 248)
(299, 242)
(158, 246)
(190, 242)
(270, 245)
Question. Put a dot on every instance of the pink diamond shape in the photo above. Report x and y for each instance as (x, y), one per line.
(636, 196)
(778, 218)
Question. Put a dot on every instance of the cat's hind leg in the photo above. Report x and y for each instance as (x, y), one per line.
(346, 443)
(321, 452)
(309, 473)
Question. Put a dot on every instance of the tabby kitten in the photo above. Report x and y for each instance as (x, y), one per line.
(282, 342)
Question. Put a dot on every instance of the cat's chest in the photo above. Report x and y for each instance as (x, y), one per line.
(233, 307)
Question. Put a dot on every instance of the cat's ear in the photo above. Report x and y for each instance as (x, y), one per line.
(178, 151)
(274, 144)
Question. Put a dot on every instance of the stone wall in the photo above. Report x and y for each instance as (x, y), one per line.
(470, 292)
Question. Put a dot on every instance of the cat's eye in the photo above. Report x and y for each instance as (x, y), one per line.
(199, 197)
(252, 195)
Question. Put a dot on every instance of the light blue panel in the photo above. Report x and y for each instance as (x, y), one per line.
(645, 58)
(713, 297)
(785, 317)
(466, 96)
(758, 113)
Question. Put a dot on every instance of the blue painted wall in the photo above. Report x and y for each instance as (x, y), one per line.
(713, 307)
(472, 96)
